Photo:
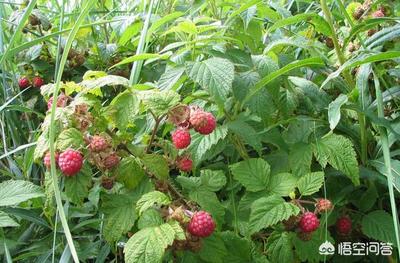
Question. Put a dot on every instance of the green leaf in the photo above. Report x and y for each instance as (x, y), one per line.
(130, 172)
(308, 251)
(157, 165)
(119, 215)
(201, 144)
(179, 232)
(13, 192)
(338, 151)
(142, 56)
(149, 218)
(70, 138)
(109, 80)
(212, 180)
(189, 183)
(151, 198)
(310, 183)
(378, 225)
(148, 245)
(268, 211)
(246, 132)
(282, 184)
(123, 109)
(214, 74)
(77, 186)
(7, 221)
(321, 25)
(163, 20)
(300, 158)
(334, 110)
(279, 247)
(289, 67)
(160, 102)
(170, 77)
(309, 91)
(252, 174)
(239, 248)
(213, 245)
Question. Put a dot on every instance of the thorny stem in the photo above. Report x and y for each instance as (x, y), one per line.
(153, 134)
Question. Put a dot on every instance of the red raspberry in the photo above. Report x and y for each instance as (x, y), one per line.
(309, 222)
(184, 164)
(47, 159)
(378, 13)
(98, 144)
(201, 224)
(209, 127)
(70, 162)
(61, 101)
(343, 225)
(107, 182)
(198, 118)
(181, 138)
(323, 205)
(37, 82)
(111, 161)
(23, 83)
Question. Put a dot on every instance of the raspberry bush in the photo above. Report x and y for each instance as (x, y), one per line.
(198, 131)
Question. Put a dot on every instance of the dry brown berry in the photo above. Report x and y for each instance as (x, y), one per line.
(111, 161)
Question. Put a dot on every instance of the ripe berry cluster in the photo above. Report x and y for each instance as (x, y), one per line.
(24, 82)
(190, 117)
(70, 161)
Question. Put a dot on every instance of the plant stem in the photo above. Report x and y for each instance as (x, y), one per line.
(154, 132)
(387, 160)
(338, 51)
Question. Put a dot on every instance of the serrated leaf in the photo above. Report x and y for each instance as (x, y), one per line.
(214, 74)
(246, 132)
(119, 215)
(49, 207)
(338, 151)
(170, 77)
(156, 164)
(379, 225)
(77, 186)
(252, 174)
(310, 183)
(130, 172)
(201, 144)
(268, 211)
(334, 110)
(42, 146)
(7, 221)
(300, 157)
(150, 218)
(160, 102)
(109, 80)
(148, 245)
(279, 246)
(282, 184)
(151, 198)
(179, 232)
(308, 251)
(213, 245)
(239, 248)
(123, 109)
(70, 138)
(13, 192)
(189, 183)
(212, 180)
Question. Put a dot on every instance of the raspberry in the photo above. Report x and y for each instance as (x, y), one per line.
(291, 222)
(198, 118)
(70, 162)
(323, 205)
(181, 138)
(61, 101)
(201, 224)
(98, 144)
(358, 12)
(107, 182)
(23, 83)
(371, 32)
(47, 159)
(37, 82)
(111, 161)
(329, 42)
(343, 225)
(309, 222)
(184, 164)
(378, 13)
(209, 127)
